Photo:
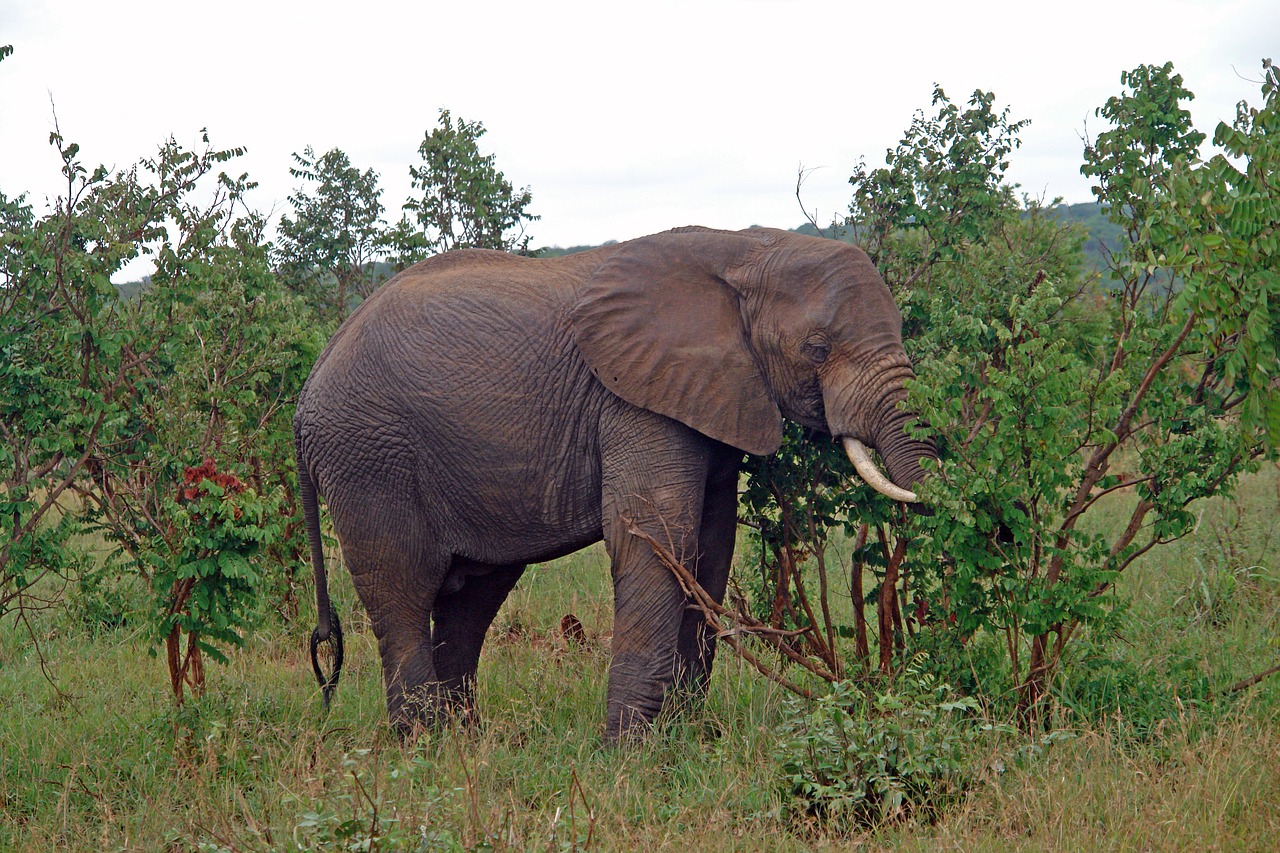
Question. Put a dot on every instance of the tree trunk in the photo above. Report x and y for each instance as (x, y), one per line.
(887, 605)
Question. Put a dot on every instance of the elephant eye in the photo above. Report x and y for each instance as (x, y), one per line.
(816, 349)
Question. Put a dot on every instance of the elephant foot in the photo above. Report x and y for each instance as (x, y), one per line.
(626, 727)
(639, 686)
(629, 727)
(630, 721)
(429, 708)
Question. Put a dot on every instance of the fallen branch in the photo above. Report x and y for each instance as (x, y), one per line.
(1254, 679)
(740, 622)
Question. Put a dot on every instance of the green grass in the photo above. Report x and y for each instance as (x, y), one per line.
(95, 757)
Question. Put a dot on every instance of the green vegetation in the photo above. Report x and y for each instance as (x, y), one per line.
(465, 202)
(855, 760)
(166, 416)
(328, 248)
(1071, 651)
(1154, 752)
(1047, 389)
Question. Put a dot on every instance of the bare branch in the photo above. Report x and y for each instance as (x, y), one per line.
(1253, 679)
(743, 623)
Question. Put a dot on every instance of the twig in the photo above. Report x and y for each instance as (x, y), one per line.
(1253, 679)
(802, 174)
(575, 784)
(712, 610)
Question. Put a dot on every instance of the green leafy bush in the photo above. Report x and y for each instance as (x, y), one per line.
(109, 393)
(203, 579)
(103, 599)
(1078, 418)
(857, 759)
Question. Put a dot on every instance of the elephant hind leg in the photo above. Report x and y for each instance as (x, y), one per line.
(463, 611)
(696, 647)
(398, 571)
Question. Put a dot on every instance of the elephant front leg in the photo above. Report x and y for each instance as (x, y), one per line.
(648, 607)
(654, 481)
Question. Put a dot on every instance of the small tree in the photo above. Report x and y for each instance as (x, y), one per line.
(1053, 396)
(69, 360)
(942, 192)
(944, 182)
(327, 250)
(196, 486)
(1036, 391)
(465, 201)
(164, 406)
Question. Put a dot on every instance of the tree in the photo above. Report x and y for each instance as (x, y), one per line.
(944, 179)
(196, 487)
(327, 250)
(1039, 383)
(198, 493)
(165, 409)
(69, 359)
(1038, 380)
(940, 195)
(465, 201)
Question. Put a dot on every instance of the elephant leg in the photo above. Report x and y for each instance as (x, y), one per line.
(398, 574)
(654, 473)
(460, 619)
(696, 647)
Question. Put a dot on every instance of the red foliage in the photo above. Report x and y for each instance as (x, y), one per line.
(193, 479)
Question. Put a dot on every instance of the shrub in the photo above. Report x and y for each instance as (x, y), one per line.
(857, 759)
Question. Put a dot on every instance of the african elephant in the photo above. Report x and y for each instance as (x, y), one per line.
(483, 411)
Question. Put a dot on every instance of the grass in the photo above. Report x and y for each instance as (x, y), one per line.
(96, 757)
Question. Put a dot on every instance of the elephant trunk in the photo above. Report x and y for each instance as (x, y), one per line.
(901, 452)
(864, 408)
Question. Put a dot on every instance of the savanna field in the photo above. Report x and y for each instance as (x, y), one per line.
(1075, 647)
(1153, 751)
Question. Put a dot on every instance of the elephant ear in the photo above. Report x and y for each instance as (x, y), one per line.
(661, 327)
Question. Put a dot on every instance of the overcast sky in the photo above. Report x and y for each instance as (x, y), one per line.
(623, 118)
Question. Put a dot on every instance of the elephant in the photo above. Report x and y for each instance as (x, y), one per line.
(483, 411)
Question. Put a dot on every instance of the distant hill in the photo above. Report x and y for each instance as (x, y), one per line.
(841, 233)
(1104, 235)
(560, 252)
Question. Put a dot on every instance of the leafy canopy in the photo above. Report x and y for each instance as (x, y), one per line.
(327, 248)
(1078, 419)
(464, 201)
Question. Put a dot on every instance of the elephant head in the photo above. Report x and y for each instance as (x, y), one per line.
(728, 332)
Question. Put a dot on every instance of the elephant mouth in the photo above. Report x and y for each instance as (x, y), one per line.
(867, 470)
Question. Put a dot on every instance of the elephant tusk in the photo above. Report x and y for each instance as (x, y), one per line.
(868, 471)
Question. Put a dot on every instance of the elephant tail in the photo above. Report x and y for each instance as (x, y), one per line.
(328, 629)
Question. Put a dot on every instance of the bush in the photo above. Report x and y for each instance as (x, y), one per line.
(103, 599)
(1136, 698)
(855, 759)
(1078, 420)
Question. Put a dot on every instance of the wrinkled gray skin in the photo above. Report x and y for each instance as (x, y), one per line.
(482, 411)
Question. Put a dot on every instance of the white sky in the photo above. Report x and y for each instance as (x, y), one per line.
(624, 119)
